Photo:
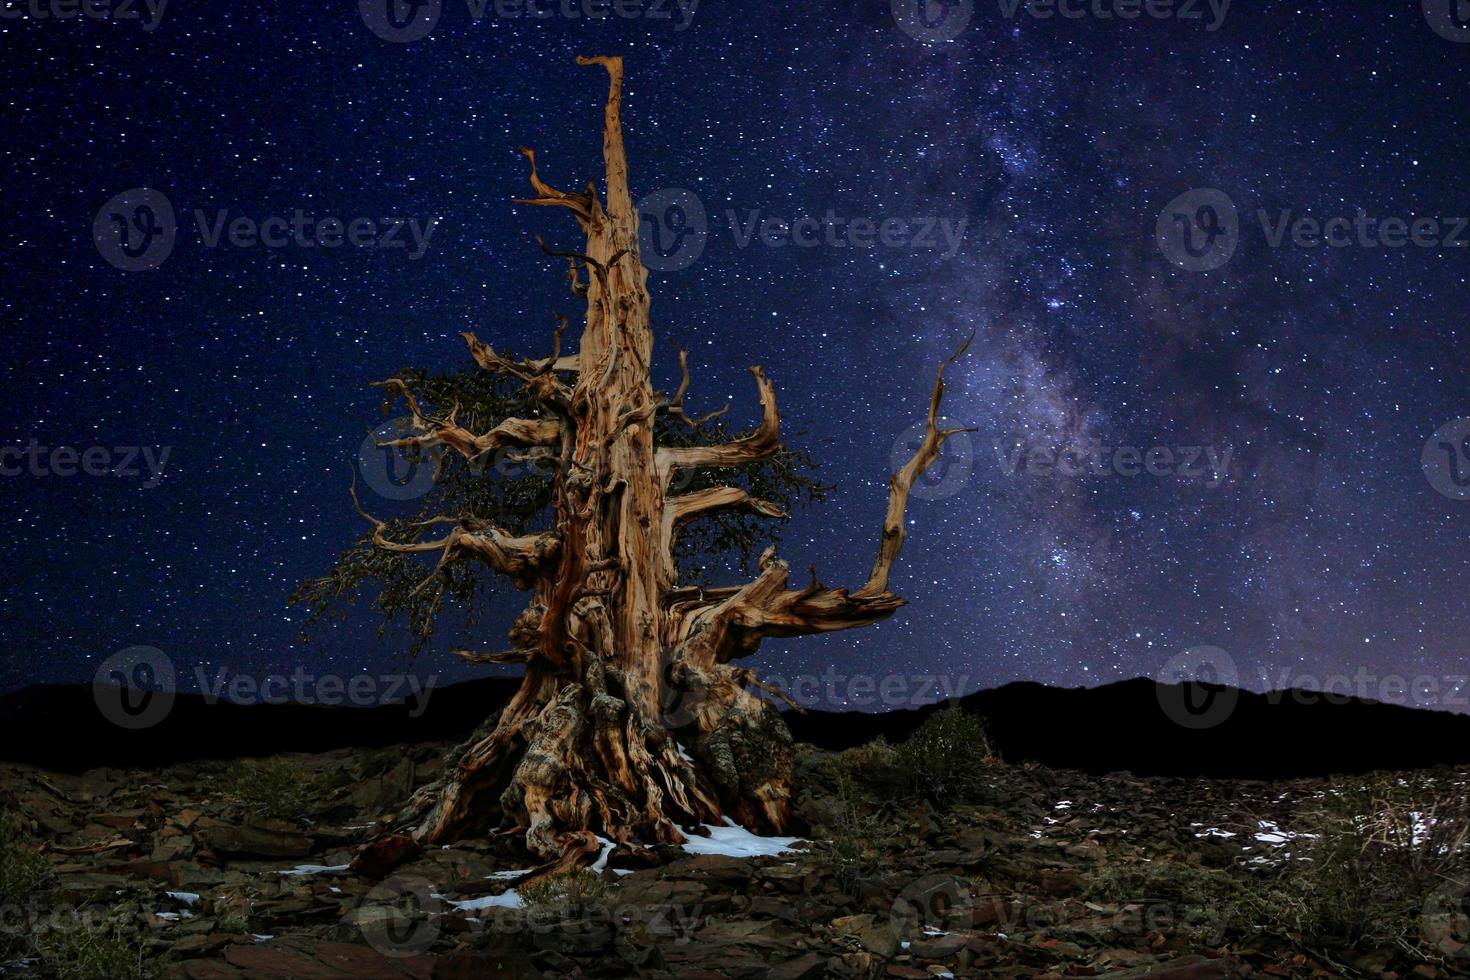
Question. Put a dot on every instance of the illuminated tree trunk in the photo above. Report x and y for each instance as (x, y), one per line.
(633, 723)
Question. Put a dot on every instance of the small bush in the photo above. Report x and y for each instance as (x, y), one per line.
(100, 952)
(22, 870)
(564, 893)
(1383, 845)
(943, 759)
(861, 759)
(281, 787)
(855, 851)
(1204, 904)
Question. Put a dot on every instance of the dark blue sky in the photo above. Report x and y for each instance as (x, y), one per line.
(1056, 144)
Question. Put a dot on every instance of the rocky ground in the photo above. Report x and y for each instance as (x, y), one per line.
(1034, 875)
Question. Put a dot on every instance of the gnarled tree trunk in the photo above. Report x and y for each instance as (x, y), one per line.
(633, 723)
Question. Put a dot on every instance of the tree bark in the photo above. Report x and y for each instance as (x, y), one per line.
(632, 726)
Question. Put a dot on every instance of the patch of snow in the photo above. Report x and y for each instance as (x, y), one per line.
(315, 869)
(1212, 831)
(174, 916)
(188, 898)
(505, 900)
(334, 889)
(620, 872)
(733, 840)
(1271, 834)
(261, 938)
(507, 875)
(1062, 804)
(601, 862)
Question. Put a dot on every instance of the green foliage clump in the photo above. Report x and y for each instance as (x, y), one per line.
(1382, 847)
(281, 787)
(1203, 903)
(858, 837)
(22, 870)
(101, 951)
(565, 893)
(943, 760)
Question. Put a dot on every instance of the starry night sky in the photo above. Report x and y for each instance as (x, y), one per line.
(1058, 142)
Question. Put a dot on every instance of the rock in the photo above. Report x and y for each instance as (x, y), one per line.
(243, 840)
(805, 966)
(875, 935)
(509, 964)
(378, 858)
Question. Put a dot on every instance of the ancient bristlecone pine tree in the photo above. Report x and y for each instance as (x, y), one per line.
(633, 722)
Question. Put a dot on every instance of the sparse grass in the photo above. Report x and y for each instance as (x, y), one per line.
(943, 760)
(22, 870)
(1384, 844)
(565, 893)
(861, 759)
(95, 952)
(232, 922)
(1204, 903)
(859, 838)
(282, 787)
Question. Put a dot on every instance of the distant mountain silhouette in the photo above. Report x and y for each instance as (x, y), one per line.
(1130, 725)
